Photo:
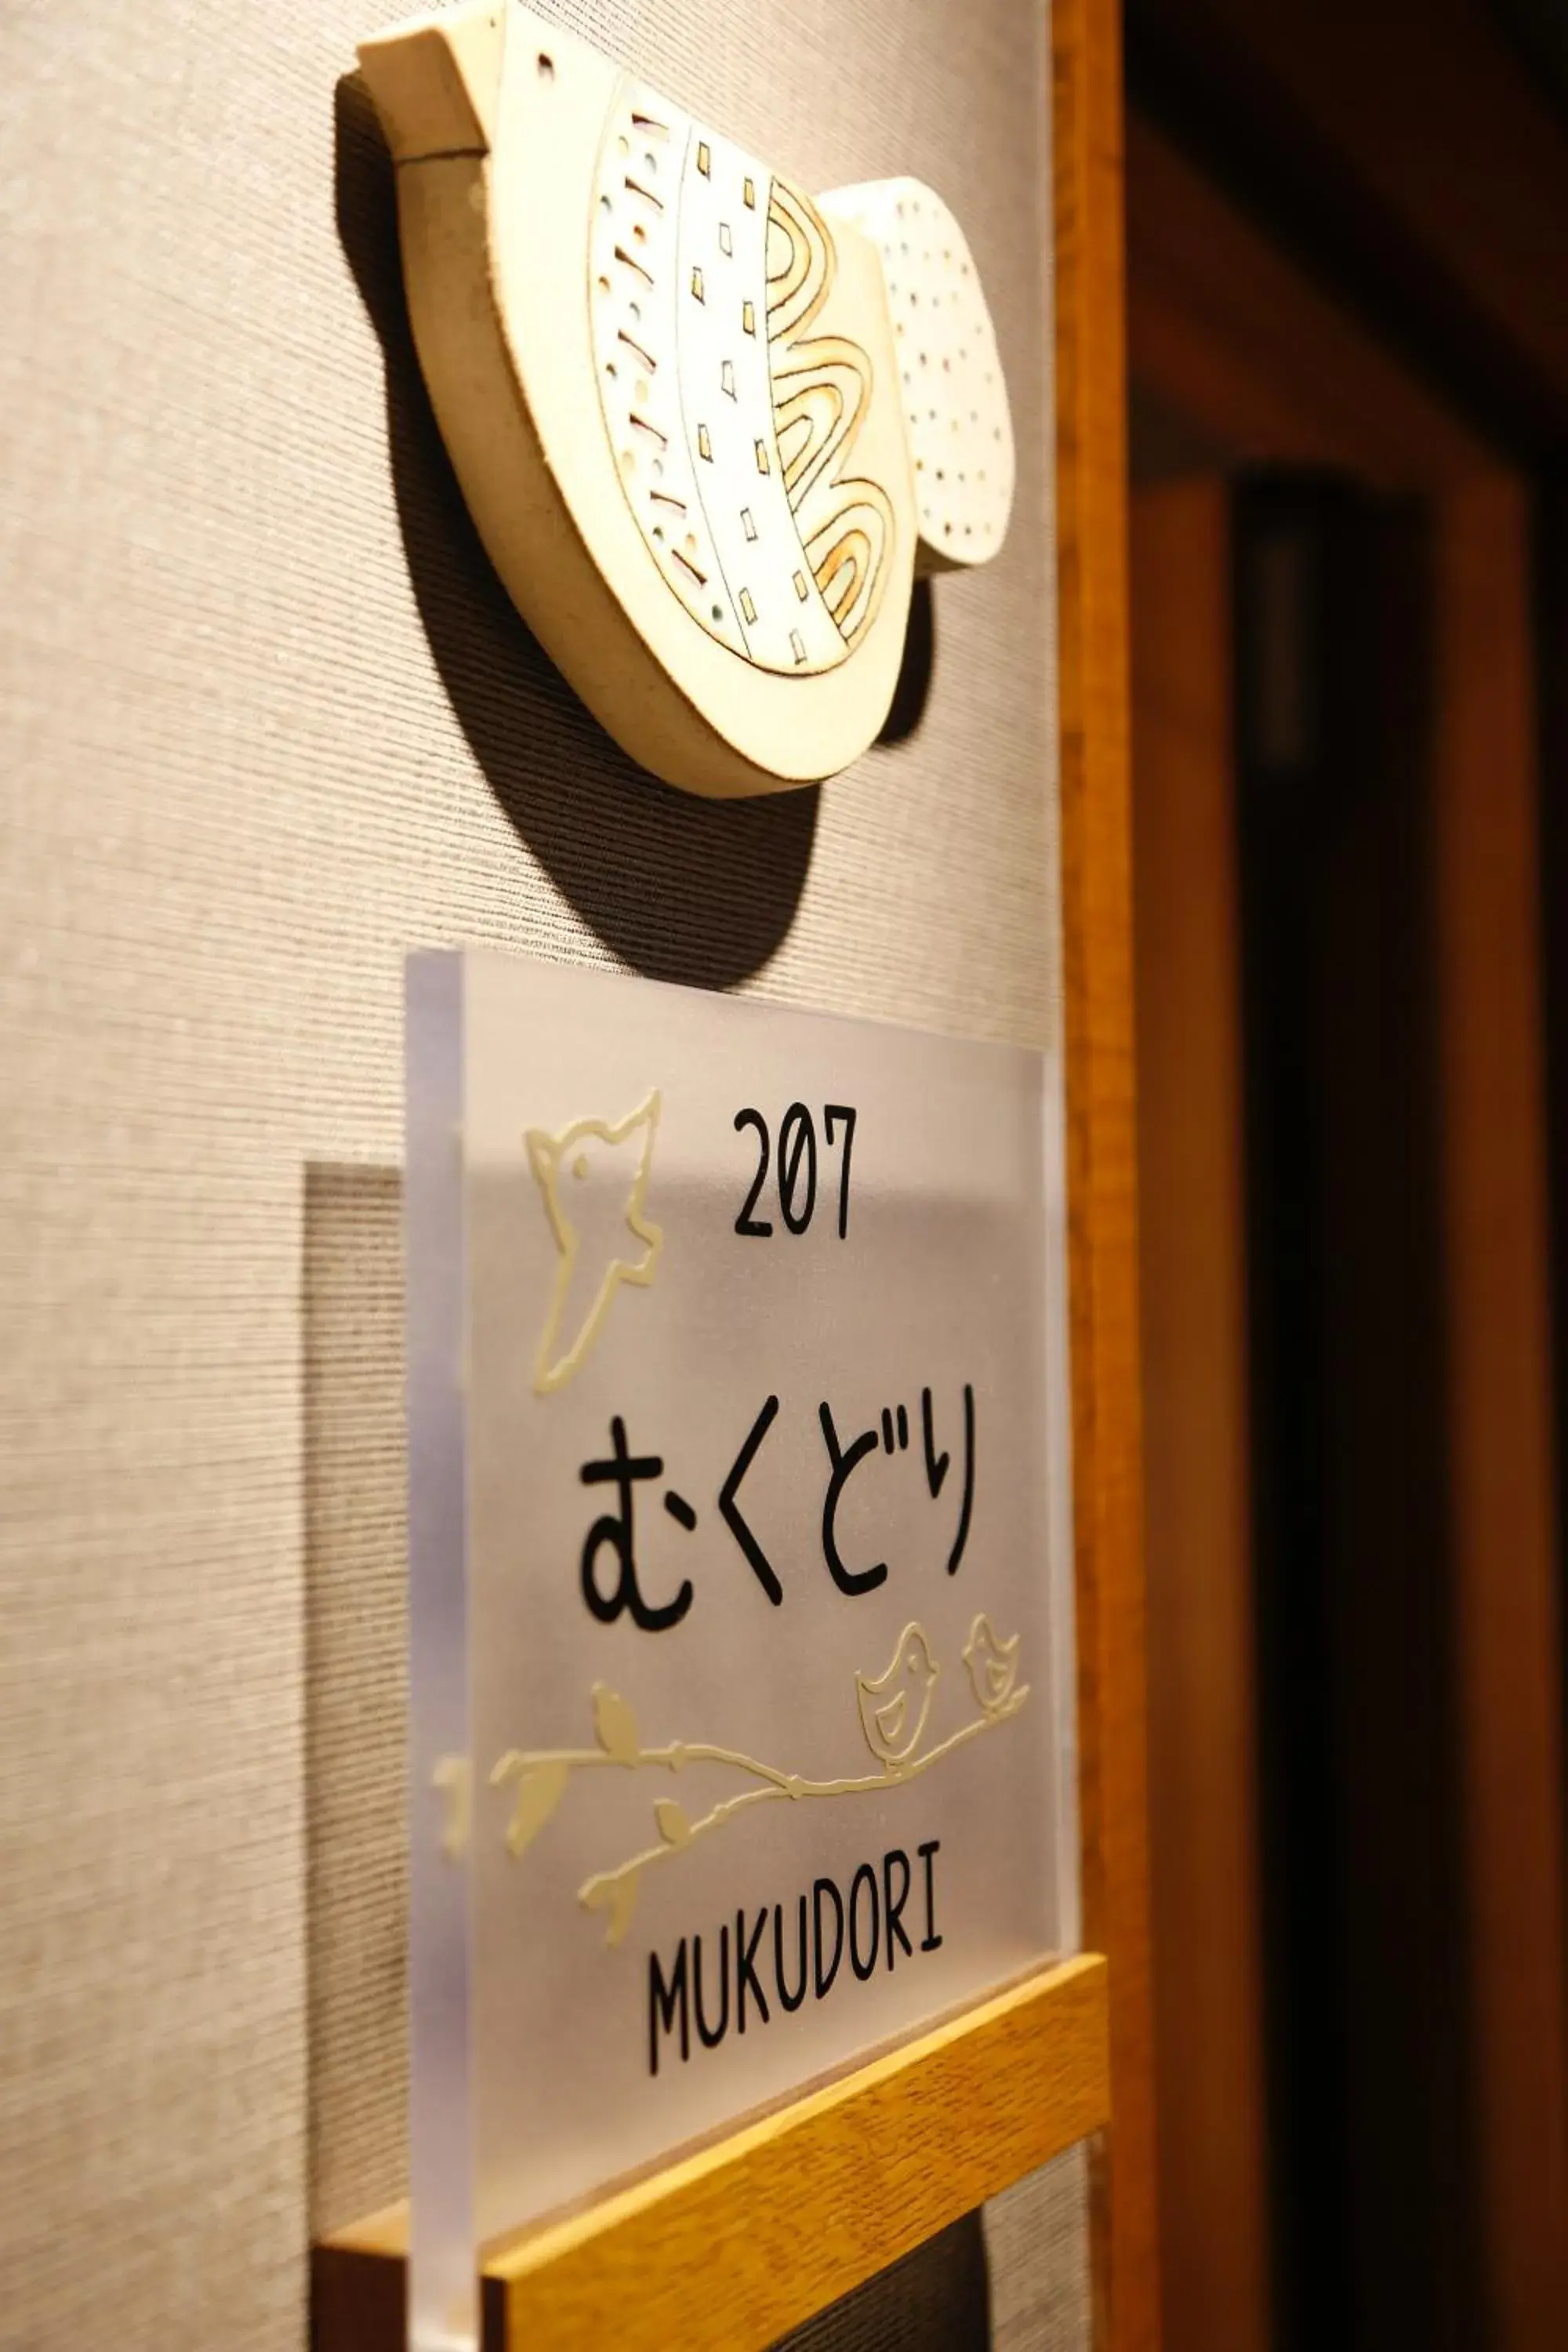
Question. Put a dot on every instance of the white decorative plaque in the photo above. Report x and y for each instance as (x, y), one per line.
(709, 426)
(742, 1643)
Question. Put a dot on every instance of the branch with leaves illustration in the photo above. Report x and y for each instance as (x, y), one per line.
(893, 1709)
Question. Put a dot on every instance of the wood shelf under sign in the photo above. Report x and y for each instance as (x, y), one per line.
(731, 2246)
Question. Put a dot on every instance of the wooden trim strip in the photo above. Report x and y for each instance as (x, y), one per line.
(727, 2249)
(1097, 946)
(1210, 2077)
(1232, 335)
(1503, 1500)
(1419, 156)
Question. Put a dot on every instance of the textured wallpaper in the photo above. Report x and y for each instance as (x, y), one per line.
(268, 722)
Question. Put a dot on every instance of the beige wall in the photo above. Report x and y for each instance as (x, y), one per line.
(268, 722)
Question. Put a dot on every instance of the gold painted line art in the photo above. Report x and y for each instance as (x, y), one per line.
(893, 1709)
(802, 416)
(821, 391)
(571, 1327)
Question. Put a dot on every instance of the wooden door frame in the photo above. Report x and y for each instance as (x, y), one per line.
(1260, 360)
(1097, 933)
(1206, 1872)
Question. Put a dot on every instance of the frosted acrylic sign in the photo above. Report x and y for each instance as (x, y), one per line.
(741, 1666)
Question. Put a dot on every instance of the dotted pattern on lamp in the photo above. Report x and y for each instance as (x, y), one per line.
(954, 392)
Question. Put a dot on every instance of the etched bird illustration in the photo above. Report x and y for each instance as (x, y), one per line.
(992, 1667)
(894, 1706)
(593, 1177)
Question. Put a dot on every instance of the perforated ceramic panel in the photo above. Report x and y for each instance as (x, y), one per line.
(955, 391)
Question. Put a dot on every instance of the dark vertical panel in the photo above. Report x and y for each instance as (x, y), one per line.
(1552, 668)
(1367, 2029)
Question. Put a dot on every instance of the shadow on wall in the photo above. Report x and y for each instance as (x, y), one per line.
(356, 1637)
(679, 889)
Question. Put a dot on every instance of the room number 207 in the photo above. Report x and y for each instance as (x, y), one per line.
(795, 1166)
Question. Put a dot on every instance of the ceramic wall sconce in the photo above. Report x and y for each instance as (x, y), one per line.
(709, 427)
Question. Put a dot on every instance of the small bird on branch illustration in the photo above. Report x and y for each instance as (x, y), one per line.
(893, 1711)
